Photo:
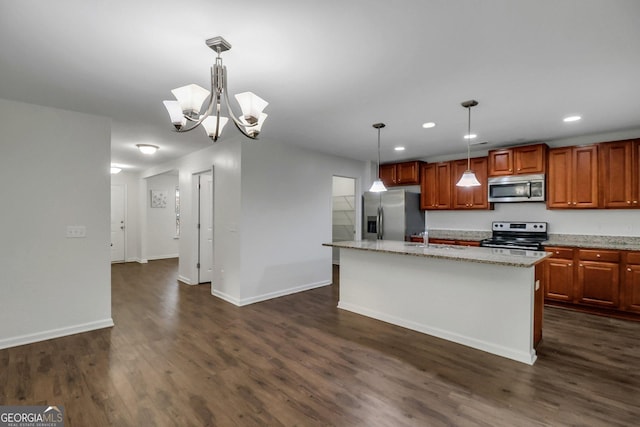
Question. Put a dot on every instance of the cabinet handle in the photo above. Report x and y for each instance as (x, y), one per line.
(574, 203)
(628, 268)
(570, 265)
(568, 203)
(628, 202)
(510, 170)
(581, 265)
(598, 255)
(557, 252)
(635, 201)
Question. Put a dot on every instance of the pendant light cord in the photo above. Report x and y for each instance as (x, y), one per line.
(469, 141)
(378, 153)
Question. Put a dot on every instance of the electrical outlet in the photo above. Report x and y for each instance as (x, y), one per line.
(76, 231)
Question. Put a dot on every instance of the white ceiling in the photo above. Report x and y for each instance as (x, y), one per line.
(332, 68)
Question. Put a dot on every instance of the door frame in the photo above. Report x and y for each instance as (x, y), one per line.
(195, 209)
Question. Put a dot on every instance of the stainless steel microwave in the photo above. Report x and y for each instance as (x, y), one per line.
(517, 188)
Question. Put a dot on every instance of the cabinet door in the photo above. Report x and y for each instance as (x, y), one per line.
(428, 187)
(598, 283)
(559, 279)
(388, 174)
(462, 196)
(408, 173)
(585, 177)
(479, 195)
(443, 185)
(635, 177)
(616, 173)
(632, 288)
(470, 197)
(559, 178)
(500, 162)
(530, 159)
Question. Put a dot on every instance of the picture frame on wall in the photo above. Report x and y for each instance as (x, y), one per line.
(158, 199)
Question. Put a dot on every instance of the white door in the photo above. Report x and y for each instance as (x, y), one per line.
(117, 223)
(205, 272)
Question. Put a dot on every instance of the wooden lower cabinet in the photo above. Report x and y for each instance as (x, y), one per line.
(599, 280)
(631, 283)
(559, 274)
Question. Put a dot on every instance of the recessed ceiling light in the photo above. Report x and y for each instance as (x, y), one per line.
(115, 170)
(147, 148)
(399, 148)
(571, 119)
(428, 125)
(470, 136)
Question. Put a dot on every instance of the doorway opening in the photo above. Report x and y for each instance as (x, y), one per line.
(343, 212)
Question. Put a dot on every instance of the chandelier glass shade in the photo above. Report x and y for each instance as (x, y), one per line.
(190, 109)
(468, 178)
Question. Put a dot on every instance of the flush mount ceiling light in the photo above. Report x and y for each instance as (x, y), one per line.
(571, 119)
(428, 125)
(378, 185)
(186, 113)
(468, 178)
(147, 148)
(399, 148)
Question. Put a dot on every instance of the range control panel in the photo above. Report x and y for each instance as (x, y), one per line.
(537, 227)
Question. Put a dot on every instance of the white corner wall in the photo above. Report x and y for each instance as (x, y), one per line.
(54, 165)
(161, 222)
(286, 216)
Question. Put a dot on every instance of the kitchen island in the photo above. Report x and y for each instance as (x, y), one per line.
(485, 298)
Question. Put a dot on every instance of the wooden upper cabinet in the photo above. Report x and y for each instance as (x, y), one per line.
(470, 197)
(388, 174)
(435, 186)
(572, 180)
(619, 174)
(405, 173)
(530, 159)
(501, 162)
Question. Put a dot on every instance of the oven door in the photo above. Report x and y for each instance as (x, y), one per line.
(525, 188)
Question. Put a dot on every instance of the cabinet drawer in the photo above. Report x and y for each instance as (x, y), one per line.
(633, 257)
(565, 253)
(442, 241)
(598, 255)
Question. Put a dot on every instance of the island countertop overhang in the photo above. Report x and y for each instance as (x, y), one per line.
(510, 257)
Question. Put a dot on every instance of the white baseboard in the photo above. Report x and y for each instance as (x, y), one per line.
(528, 358)
(55, 333)
(280, 293)
(143, 261)
(155, 257)
(184, 280)
(225, 297)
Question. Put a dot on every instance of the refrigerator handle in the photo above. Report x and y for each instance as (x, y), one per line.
(380, 223)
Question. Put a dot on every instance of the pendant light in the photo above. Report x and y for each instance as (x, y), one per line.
(378, 185)
(468, 178)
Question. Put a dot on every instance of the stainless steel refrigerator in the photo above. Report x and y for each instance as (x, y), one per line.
(392, 215)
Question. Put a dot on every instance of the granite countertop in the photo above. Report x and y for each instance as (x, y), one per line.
(509, 257)
(597, 242)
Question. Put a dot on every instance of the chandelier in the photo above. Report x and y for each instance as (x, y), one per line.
(186, 111)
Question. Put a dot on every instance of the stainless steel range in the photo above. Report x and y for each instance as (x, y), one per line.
(517, 235)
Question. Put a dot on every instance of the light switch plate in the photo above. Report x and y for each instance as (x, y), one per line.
(76, 231)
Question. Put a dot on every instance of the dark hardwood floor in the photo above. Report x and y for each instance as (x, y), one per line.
(179, 356)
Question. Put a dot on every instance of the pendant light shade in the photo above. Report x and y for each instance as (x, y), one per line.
(468, 178)
(378, 185)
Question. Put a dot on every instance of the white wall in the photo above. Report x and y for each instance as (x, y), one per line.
(54, 166)
(161, 222)
(286, 216)
(225, 155)
(272, 212)
(131, 181)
